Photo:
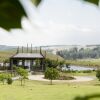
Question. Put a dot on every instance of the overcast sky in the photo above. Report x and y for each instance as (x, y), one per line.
(56, 22)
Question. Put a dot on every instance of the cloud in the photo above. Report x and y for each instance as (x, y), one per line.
(50, 33)
(44, 30)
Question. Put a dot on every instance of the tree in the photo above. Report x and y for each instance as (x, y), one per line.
(98, 74)
(51, 74)
(73, 54)
(50, 63)
(23, 74)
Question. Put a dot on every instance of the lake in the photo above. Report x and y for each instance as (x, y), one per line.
(78, 68)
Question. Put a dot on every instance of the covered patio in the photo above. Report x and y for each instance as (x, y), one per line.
(30, 61)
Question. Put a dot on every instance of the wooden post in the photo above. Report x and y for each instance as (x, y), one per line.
(17, 50)
(41, 64)
(27, 48)
(11, 66)
(40, 50)
(36, 50)
(23, 63)
(44, 67)
(31, 48)
(45, 54)
(22, 49)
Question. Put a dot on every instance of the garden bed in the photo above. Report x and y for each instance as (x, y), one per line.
(65, 77)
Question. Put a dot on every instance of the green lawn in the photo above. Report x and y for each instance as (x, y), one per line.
(35, 90)
(92, 73)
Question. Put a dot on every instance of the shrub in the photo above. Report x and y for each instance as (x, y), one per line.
(98, 74)
(65, 77)
(3, 77)
(9, 80)
(87, 71)
(70, 71)
(51, 74)
(50, 63)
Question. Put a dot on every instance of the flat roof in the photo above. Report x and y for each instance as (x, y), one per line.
(28, 55)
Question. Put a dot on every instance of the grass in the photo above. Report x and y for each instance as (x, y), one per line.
(80, 73)
(54, 57)
(5, 55)
(35, 90)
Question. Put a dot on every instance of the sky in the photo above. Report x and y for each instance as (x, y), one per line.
(56, 22)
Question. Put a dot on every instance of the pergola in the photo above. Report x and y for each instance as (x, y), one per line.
(28, 61)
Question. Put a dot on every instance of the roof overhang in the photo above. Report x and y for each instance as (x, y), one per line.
(28, 56)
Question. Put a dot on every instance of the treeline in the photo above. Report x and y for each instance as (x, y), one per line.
(81, 53)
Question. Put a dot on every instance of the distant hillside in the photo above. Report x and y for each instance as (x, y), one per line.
(7, 48)
(48, 47)
(7, 51)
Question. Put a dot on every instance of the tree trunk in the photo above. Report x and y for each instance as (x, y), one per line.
(21, 82)
(3, 82)
(51, 82)
(24, 81)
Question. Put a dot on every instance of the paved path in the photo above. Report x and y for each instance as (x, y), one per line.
(77, 78)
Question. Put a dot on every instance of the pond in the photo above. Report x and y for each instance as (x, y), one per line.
(78, 68)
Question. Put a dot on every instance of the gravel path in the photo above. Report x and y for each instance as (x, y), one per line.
(77, 78)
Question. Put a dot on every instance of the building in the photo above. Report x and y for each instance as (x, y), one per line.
(30, 61)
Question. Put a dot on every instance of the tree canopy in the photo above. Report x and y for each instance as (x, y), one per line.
(51, 74)
(80, 53)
